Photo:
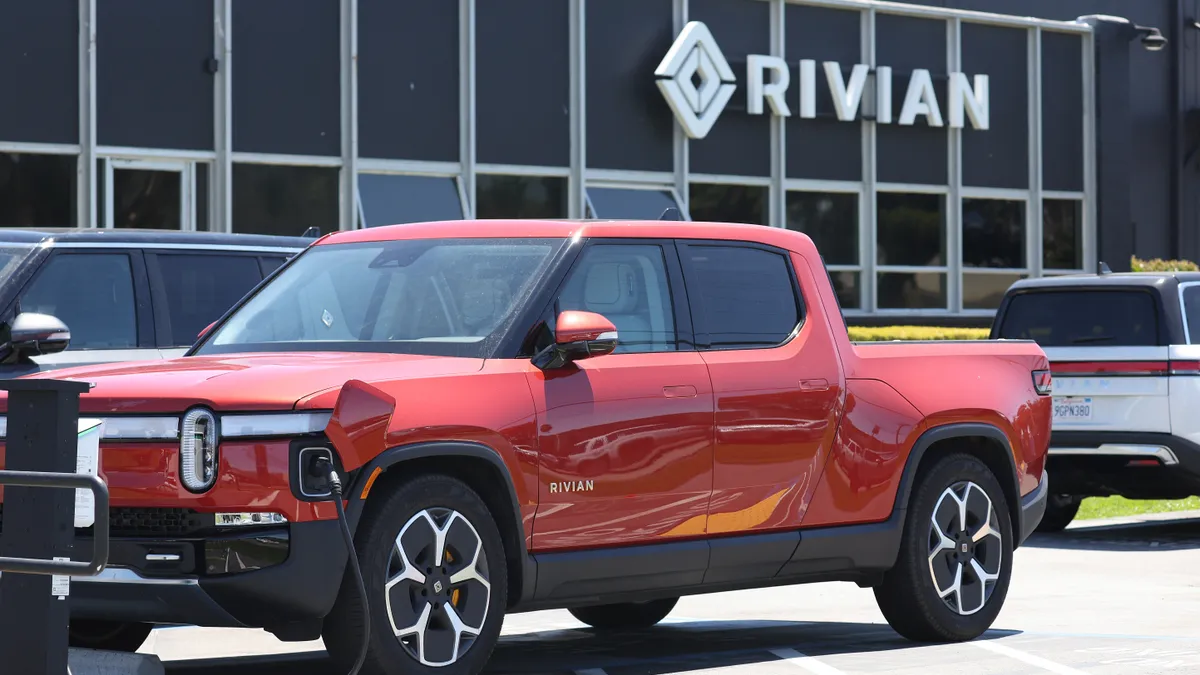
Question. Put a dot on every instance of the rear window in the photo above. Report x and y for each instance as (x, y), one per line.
(1071, 318)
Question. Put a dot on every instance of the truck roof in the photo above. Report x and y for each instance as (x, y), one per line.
(146, 237)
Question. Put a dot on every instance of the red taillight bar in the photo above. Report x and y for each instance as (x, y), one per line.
(1043, 382)
(1125, 368)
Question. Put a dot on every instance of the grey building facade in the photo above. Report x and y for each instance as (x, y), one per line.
(936, 152)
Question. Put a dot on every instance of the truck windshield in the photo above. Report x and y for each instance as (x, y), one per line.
(1072, 318)
(445, 297)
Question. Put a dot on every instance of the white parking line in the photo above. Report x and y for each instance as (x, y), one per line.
(806, 662)
(1044, 664)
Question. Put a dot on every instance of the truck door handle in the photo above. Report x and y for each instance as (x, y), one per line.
(814, 385)
(679, 391)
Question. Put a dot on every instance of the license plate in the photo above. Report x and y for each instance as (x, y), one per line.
(1072, 409)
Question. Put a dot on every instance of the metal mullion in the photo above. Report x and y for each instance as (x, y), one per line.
(85, 188)
(1090, 256)
(348, 193)
(679, 139)
(38, 148)
(867, 219)
(466, 101)
(1034, 225)
(922, 11)
(576, 187)
(954, 238)
(220, 183)
(777, 194)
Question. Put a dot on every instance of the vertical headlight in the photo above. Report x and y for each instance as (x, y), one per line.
(198, 449)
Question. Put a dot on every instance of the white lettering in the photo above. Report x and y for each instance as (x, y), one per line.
(846, 99)
(553, 488)
(589, 486)
(883, 95)
(774, 91)
(808, 89)
(921, 99)
(973, 102)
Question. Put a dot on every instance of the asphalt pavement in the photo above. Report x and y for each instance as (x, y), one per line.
(1109, 598)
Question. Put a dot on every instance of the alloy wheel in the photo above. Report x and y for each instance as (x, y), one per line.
(965, 548)
(438, 589)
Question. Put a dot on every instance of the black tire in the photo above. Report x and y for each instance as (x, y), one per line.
(116, 636)
(625, 615)
(1060, 511)
(375, 541)
(909, 596)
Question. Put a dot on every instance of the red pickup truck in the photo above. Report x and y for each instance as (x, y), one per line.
(598, 416)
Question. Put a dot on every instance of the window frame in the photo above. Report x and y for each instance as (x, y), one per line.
(158, 289)
(143, 309)
(696, 302)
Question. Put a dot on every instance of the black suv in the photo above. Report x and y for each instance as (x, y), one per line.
(73, 297)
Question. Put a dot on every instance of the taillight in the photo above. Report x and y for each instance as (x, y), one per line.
(1043, 382)
(198, 449)
(1185, 367)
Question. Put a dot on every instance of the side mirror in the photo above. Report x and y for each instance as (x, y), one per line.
(577, 335)
(205, 331)
(35, 334)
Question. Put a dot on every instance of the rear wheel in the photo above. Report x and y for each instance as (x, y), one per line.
(117, 636)
(1060, 511)
(625, 615)
(437, 585)
(955, 561)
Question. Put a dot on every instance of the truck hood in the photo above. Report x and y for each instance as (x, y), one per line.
(271, 381)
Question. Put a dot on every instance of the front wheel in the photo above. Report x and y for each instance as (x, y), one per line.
(1060, 511)
(955, 561)
(437, 585)
(625, 615)
(117, 636)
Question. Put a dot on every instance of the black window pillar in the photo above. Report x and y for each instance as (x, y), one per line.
(1115, 148)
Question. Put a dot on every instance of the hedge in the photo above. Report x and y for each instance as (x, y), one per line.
(886, 333)
(1159, 265)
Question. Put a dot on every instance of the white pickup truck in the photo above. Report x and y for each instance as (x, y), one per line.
(1125, 356)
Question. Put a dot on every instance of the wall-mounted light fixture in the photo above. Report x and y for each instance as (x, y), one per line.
(1152, 38)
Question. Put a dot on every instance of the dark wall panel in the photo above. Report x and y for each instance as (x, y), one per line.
(287, 77)
(739, 143)
(825, 148)
(522, 82)
(40, 77)
(153, 87)
(629, 125)
(998, 156)
(916, 153)
(408, 79)
(1062, 112)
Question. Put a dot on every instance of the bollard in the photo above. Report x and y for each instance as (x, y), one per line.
(38, 523)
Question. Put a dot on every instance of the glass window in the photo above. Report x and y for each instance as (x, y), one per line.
(993, 233)
(716, 203)
(628, 286)
(284, 200)
(147, 199)
(830, 219)
(846, 285)
(388, 199)
(912, 290)
(617, 203)
(520, 196)
(743, 297)
(1062, 234)
(200, 288)
(90, 292)
(37, 190)
(445, 297)
(1103, 318)
(1191, 311)
(271, 263)
(985, 291)
(911, 229)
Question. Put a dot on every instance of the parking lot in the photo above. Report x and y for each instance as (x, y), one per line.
(1109, 597)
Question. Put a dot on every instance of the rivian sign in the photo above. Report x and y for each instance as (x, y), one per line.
(697, 83)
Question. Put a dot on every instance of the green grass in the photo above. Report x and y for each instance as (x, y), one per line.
(1114, 507)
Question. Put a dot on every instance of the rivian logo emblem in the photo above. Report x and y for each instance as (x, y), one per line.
(696, 79)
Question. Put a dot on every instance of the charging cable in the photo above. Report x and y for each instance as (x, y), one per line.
(324, 467)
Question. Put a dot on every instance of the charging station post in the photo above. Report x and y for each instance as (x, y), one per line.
(38, 535)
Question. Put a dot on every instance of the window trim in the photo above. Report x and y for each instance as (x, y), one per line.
(700, 331)
(158, 292)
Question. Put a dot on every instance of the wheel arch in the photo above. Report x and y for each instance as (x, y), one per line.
(985, 442)
(477, 465)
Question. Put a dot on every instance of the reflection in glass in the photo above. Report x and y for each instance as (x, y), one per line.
(147, 199)
(37, 190)
(716, 203)
(993, 233)
(1062, 234)
(619, 203)
(388, 199)
(984, 291)
(284, 200)
(911, 229)
(845, 284)
(904, 290)
(830, 219)
(520, 196)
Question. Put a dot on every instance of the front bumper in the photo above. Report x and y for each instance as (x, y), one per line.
(300, 589)
(1133, 465)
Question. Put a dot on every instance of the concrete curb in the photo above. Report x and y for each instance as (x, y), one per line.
(95, 662)
(1094, 523)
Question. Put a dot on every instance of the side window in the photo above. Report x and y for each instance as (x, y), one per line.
(200, 288)
(90, 292)
(742, 297)
(271, 263)
(627, 284)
